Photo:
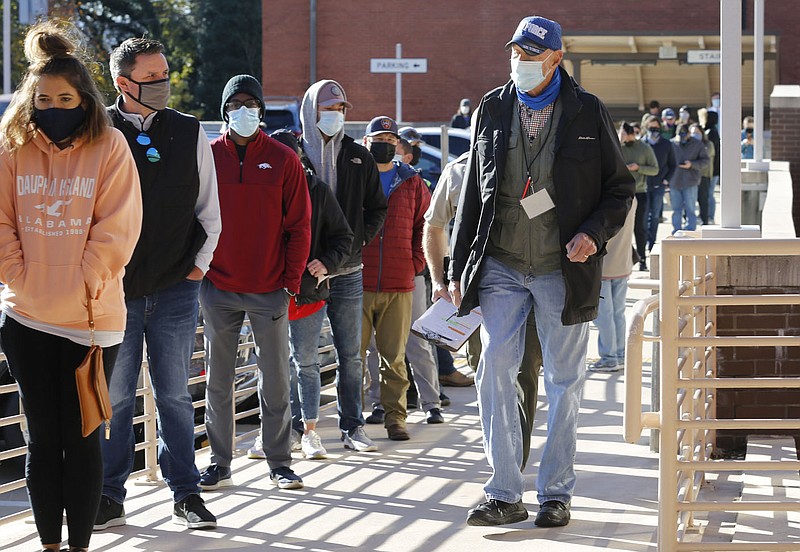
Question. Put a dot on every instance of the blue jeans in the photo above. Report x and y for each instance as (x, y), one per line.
(611, 320)
(506, 298)
(344, 312)
(683, 201)
(655, 202)
(712, 203)
(304, 369)
(168, 320)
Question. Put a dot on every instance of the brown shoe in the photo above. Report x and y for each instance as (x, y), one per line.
(456, 379)
(397, 433)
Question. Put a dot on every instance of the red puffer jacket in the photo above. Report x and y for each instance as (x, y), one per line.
(394, 257)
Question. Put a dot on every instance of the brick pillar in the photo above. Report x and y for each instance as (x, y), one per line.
(784, 121)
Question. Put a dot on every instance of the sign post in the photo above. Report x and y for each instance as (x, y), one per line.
(398, 65)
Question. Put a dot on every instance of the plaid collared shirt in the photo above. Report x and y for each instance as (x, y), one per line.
(534, 120)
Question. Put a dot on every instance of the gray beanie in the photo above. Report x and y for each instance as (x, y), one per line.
(241, 83)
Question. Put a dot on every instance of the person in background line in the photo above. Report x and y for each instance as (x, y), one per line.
(748, 123)
(715, 107)
(389, 278)
(685, 115)
(658, 183)
(696, 132)
(256, 270)
(352, 175)
(668, 123)
(708, 119)
(610, 321)
(653, 108)
(641, 161)
(513, 253)
(691, 158)
(462, 117)
(180, 229)
(331, 240)
(56, 127)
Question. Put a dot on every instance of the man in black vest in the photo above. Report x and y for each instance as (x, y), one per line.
(180, 228)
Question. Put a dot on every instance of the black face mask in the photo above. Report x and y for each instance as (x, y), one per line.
(383, 152)
(416, 151)
(57, 123)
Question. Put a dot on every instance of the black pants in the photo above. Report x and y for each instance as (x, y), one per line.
(702, 198)
(640, 225)
(63, 470)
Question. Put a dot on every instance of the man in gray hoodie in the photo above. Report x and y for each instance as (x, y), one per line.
(350, 171)
(690, 158)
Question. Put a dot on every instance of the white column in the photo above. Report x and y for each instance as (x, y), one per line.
(398, 92)
(730, 207)
(758, 81)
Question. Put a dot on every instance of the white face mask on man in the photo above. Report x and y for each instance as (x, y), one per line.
(330, 122)
(527, 75)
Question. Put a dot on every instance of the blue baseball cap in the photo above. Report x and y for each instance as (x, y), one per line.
(382, 124)
(535, 34)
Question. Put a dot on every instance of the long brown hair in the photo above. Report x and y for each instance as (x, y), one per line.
(51, 50)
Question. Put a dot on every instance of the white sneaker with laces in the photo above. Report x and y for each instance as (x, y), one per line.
(296, 444)
(256, 452)
(357, 440)
(312, 446)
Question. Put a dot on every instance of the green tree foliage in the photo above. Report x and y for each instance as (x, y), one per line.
(228, 44)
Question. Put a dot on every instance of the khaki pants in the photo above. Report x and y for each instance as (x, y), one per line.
(388, 316)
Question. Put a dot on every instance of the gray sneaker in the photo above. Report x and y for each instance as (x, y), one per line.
(109, 514)
(285, 478)
(357, 440)
(296, 444)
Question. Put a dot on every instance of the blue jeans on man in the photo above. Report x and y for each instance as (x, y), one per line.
(610, 321)
(506, 298)
(167, 319)
(655, 203)
(684, 203)
(304, 368)
(344, 312)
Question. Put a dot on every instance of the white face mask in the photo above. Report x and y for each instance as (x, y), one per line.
(330, 122)
(244, 121)
(715, 102)
(527, 75)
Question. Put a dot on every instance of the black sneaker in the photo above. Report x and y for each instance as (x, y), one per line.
(192, 513)
(214, 477)
(377, 417)
(285, 478)
(435, 416)
(497, 512)
(109, 514)
(444, 399)
(552, 513)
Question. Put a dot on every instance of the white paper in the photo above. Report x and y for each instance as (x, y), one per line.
(441, 325)
(537, 203)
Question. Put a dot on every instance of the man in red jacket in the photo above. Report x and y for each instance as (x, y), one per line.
(390, 263)
(257, 266)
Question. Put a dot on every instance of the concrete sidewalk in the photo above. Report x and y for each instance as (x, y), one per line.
(408, 496)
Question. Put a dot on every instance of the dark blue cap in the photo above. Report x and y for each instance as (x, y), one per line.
(536, 34)
(382, 124)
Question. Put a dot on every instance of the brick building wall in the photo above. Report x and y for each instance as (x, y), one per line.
(463, 41)
(785, 124)
(773, 276)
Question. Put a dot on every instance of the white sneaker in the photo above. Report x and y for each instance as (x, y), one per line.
(297, 446)
(312, 446)
(256, 452)
(357, 440)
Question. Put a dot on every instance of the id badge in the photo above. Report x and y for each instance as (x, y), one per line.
(537, 203)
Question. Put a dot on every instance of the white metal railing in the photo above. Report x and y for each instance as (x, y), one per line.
(688, 385)
(149, 473)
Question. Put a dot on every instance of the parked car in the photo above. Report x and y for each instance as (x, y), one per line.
(458, 139)
(282, 112)
(430, 163)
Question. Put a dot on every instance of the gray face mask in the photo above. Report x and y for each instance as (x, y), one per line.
(153, 94)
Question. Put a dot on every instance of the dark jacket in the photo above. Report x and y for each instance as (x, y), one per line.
(691, 150)
(360, 196)
(171, 234)
(594, 191)
(459, 120)
(331, 239)
(665, 155)
(713, 135)
(266, 217)
(393, 259)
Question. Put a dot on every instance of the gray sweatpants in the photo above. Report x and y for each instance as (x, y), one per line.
(223, 314)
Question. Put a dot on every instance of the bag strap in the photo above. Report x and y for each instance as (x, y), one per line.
(91, 316)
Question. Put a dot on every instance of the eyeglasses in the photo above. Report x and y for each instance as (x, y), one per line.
(233, 105)
(152, 153)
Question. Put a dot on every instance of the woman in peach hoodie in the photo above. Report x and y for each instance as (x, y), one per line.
(70, 216)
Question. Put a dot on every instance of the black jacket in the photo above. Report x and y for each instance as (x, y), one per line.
(593, 186)
(665, 155)
(331, 239)
(360, 196)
